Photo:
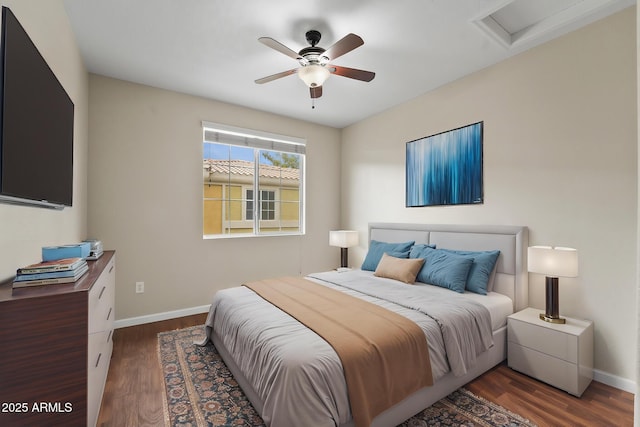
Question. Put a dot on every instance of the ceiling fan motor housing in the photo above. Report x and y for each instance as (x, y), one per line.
(313, 54)
(313, 37)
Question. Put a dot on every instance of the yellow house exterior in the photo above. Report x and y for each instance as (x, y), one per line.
(230, 204)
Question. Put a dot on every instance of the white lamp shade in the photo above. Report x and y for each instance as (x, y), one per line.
(313, 75)
(553, 262)
(343, 238)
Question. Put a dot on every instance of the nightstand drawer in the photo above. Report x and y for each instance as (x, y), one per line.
(551, 370)
(560, 345)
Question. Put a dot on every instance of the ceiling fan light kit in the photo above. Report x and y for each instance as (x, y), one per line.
(313, 74)
(314, 67)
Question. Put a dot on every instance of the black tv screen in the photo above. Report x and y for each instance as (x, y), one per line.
(36, 124)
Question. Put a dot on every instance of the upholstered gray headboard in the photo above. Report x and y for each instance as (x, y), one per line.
(512, 241)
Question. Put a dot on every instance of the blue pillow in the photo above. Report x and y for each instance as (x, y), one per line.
(376, 249)
(417, 250)
(481, 269)
(443, 268)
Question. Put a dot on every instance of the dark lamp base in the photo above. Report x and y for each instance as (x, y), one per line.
(344, 257)
(552, 319)
(552, 311)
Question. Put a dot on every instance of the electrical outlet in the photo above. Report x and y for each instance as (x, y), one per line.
(139, 287)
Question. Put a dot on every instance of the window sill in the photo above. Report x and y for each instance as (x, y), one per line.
(244, 236)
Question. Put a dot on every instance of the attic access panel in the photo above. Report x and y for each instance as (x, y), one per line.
(518, 22)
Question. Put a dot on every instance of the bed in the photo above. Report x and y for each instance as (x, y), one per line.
(253, 336)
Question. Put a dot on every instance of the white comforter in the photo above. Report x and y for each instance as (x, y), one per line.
(298, 376)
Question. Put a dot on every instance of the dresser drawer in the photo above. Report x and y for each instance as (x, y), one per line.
(102, 319)
(101, 300)
(100, 348)
(560, 345)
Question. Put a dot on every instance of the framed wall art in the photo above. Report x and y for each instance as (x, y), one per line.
(445, 168)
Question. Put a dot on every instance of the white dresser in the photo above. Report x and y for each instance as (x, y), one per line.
(557, 354)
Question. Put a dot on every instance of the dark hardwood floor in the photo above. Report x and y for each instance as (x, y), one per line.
(599, 405)
(133, 394)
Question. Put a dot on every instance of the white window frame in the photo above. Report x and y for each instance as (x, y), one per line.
(276, 196)
(259, 140)
(245, 209)
(276, 205)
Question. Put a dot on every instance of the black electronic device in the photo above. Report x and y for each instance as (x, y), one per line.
(36, 124)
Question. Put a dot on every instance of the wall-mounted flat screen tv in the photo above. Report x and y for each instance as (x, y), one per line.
(36, 124)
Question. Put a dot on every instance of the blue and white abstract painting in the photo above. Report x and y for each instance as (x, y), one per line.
(446, 168)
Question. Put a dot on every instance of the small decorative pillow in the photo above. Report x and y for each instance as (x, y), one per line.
(444, 269)
(482, 270)
(377, 249)
(402, 269)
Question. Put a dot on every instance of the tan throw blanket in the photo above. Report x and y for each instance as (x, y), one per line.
(385, 356)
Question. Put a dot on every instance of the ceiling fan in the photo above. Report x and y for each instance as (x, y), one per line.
(315, 68)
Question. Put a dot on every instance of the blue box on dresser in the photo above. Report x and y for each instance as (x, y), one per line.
(76, 250)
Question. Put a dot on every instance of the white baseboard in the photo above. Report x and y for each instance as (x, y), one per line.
(600, 376)
(614, 381)
(150, 318)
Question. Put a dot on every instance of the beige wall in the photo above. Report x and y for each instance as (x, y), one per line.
(24, 230)
(145, 198)
(636, 420)
(560, 156)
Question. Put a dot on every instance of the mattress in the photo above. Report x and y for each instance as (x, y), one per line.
(265, 342)
(499, 306)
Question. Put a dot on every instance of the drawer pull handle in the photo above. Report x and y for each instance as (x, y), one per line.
(109, 337)
(98, 360)
(109, 313)
(104, 288)
(111, 269)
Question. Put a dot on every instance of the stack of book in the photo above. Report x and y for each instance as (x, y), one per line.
(65, 270)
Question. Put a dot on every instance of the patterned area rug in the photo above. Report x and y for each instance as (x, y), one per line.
(200, 391)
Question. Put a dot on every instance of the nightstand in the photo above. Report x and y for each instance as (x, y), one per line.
(557, 354)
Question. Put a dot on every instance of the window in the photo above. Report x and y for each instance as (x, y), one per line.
(268, 205)
(248, 211)
(253, 182)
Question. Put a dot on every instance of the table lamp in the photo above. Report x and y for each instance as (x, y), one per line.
(553, 262)
(343, 239)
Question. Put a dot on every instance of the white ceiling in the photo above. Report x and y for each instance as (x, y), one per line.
(210, 48)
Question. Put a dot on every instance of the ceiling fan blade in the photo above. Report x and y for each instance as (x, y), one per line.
(276, 76)
(316, 92)
(352, 73)
(344, 45)
(273, 44)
